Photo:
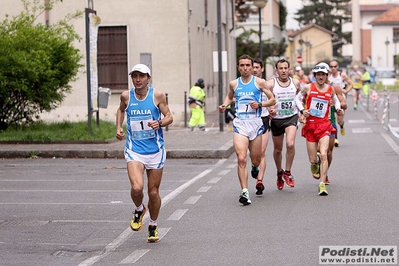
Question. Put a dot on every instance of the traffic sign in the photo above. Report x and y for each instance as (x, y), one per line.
(299, 60)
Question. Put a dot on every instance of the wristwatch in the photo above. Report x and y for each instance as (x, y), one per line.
(260, 104)
(160, 123)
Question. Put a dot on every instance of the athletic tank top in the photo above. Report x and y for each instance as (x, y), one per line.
(140, 137)
(337, 81)
(318, 103)
(285, 99)
(246, 93)
(356, 78)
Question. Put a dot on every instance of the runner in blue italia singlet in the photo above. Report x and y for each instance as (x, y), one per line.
(246, 93)
(140, 137)
(248, 126)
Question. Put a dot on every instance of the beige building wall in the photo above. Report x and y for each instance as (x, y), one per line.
(180, 36)
(320, 49)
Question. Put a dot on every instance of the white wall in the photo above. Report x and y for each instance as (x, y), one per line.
(380, 50)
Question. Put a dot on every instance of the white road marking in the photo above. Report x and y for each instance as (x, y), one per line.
(139, 253)
(356, 121)
(362, 130)
(192, 199)
(224, 172)
(391, 142)
(135, 256)
(203, 189)
(214, 180)
(128, 232)
(177, 215)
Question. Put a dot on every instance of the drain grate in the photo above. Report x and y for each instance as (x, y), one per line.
(23, 223)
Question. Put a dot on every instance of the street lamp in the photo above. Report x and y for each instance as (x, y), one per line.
(387, 43)
(260, 4)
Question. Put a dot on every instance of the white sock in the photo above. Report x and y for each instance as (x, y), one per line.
(140, 208)
(152, 222)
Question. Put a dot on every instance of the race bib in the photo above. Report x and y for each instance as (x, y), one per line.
(244, 109)
(285, 107)
(318, 107)
(140, 128)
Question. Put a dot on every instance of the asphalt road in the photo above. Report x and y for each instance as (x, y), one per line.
(77, 211)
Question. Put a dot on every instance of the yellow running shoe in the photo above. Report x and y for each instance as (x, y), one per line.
(322, 190)
(343, 130)
(137, 220)
(315, 167)
(153, 236)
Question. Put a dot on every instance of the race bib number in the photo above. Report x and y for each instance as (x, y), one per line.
(318, 107)
(140, 128)
(244, 110)
(285, 107)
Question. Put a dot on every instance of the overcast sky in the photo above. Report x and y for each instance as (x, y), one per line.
(292, 7)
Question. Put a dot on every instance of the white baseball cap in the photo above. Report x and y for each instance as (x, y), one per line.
(297, 68)
(141, 68)
(321, 67)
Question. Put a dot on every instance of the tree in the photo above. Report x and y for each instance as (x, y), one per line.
(328, 14)
(245, 45)
(37, 63)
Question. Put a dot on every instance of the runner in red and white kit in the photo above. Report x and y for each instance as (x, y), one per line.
(318, 128)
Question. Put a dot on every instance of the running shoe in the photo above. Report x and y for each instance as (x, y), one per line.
(315, 167)
(327, 181)
(153, 236)
(255, 171)
(336, 143)
(355, 107)
(259, 187)
(280, 181)
(343, 130)
(137, 220)
(322, 190)
(244, 198)
(289, 179)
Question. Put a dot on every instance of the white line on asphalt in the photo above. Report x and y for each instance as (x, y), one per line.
(231, 166)
(204, 189)
(177, 215)
(192, 199)
(362, 130)
(224, 172)
(356, 121)
(139, 253)
(127, 233)
(391, 142)
(135, 256)
(214, 180)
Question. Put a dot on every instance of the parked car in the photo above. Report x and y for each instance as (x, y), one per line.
(386, 76)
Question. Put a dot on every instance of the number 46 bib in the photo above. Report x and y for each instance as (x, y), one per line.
(318, 107)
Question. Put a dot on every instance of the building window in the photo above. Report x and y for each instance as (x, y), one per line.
(112, 58)
(395, 35)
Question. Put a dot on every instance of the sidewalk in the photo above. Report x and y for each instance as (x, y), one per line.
(179, 143)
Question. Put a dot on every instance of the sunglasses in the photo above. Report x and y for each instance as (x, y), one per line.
(319, 67)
